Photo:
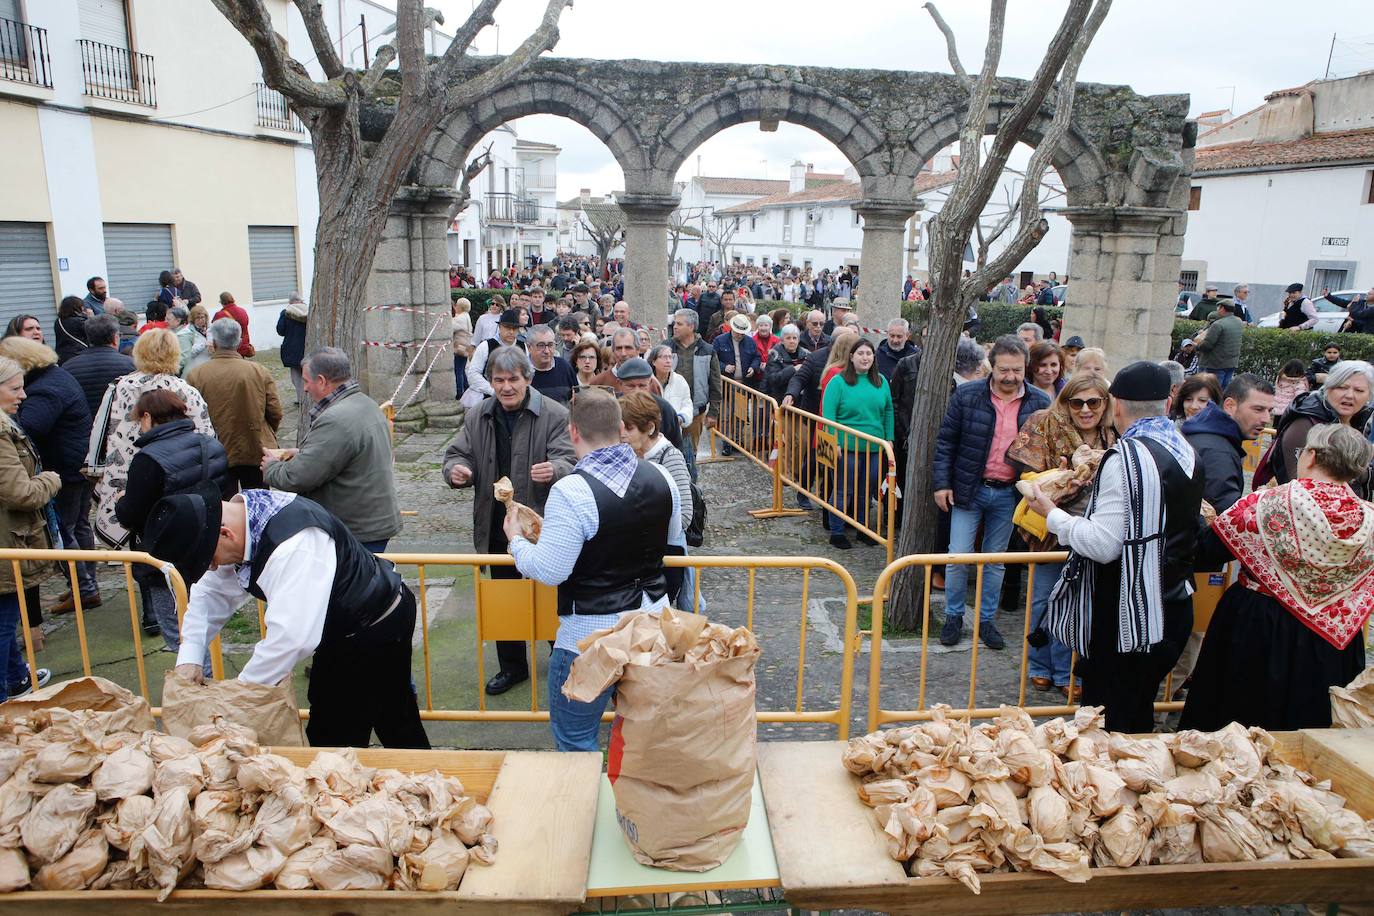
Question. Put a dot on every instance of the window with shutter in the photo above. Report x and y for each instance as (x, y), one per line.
(272, 261)
(26, 273)
(104, 21)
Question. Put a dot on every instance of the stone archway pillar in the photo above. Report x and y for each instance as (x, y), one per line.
(646, 254)
(881, 262)
(410, 278)
(1123, 271)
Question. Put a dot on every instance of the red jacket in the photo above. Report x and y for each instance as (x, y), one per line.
(235, 311)
(765, 344)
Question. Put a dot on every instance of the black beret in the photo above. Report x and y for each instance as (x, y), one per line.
(1142, 380)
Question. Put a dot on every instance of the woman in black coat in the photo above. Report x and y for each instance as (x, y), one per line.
(171, 458)
(69, 330)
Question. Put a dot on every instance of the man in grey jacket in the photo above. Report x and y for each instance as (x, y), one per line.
(699, 367)
(522, 435)
(1220, 347)
(344, 459)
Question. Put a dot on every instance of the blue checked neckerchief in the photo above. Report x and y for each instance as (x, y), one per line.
(260, 506)
(613, 466)
(1163, 431)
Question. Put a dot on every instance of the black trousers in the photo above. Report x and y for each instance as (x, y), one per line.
(511, 653)
(246, 477)
(362, 684)
(1126, 682)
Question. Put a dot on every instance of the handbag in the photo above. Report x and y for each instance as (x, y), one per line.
(96, 459)
(696, 531)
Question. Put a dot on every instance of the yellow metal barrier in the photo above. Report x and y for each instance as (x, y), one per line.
(523, 610)
(749, 422)
(71, 557)
(1255, 449)
(813, 459)
(1210, 588)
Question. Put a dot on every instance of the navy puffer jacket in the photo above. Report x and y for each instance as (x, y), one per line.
(961, 450)
(56, 418)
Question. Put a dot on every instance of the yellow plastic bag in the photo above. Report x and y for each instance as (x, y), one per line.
(1025, 518)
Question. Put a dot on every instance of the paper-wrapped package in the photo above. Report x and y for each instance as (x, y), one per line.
(681, 759)
(529, 521)
(270, 713)
(1352, 706)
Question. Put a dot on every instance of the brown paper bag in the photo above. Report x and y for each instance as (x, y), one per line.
(681, 759)
(1352, 706)
(123, 710)
(271, 712)
(529, 521)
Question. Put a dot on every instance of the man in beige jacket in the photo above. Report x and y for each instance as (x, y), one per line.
(243, 403)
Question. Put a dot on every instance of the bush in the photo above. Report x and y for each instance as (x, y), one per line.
(1263, 351)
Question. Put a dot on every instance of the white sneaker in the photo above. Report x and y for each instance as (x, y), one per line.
(44, 675)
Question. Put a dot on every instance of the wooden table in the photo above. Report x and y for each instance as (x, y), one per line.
(617, 883)
(832, 854)
(543, 806)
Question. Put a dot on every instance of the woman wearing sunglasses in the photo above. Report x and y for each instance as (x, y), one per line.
(1080, 415)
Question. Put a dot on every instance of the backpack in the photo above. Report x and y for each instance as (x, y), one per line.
(696, 532)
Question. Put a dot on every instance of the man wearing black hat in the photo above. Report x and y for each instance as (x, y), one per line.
(282, 548)
(507, 335)
(1299, 314)
(1124, 602)
(635, 374)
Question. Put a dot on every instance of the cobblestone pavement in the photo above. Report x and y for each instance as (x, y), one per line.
(782, 600)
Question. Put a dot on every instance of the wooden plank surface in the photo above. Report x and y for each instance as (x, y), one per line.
(823, 836)
(476, 769)
(1346, 757)
(615, 873)
(263, 903)
(544, 805)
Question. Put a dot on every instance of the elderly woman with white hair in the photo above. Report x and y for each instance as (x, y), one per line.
(663, 362)
(783, 359)
(1344, 398)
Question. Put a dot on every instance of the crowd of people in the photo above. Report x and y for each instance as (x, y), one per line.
(163, 436)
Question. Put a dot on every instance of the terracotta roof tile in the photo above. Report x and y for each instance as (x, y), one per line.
(834, 192)
(759, 186)
(1349, 145)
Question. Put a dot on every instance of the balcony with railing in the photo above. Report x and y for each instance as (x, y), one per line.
(274, 113)
(504, 207)
(118, 74)
(24, 54)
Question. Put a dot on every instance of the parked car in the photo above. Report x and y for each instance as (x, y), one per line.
(1330, 316)
(1060, 293)
(1188, 300)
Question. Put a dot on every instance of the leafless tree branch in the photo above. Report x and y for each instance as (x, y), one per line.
(410, 48)
(377, 69)
(540, 40)
(279, 70)
(313, 16)
(483, 15)
(470, 172)
(950, 43)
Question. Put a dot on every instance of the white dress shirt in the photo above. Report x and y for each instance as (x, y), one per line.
(295, 581)
(1100, 536)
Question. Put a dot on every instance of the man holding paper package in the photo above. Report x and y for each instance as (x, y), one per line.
(283, 548)
(606, 528)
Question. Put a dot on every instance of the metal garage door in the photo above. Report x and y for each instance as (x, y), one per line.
(272, 260)
(26, 273)
(135, 253)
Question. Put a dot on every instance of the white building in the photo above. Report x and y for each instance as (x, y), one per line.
(573, 235)
(1285, 194)
(512, 214)
(814, 224)
(139, 136)
(702, 196)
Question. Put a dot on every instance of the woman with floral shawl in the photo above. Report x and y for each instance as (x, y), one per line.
(1292, 624)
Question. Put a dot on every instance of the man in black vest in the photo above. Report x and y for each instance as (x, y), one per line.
(281, 548)
(1130, 610)
(606, 528)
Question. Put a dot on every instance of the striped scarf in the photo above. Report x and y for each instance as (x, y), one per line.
(1140, 617)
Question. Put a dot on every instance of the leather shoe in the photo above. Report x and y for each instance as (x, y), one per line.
(990, 636)
(502, 681)
(67, 604)
(951, 631)
(1041, 683)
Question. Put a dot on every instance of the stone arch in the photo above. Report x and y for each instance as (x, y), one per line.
(536, 93)
(834, 118)
(1085, 174)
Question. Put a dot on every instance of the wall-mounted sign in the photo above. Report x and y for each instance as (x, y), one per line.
(1336, 241)
(62, 264)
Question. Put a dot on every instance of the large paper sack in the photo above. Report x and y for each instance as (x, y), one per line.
(681, 759)
(271, 712)
(119, 709)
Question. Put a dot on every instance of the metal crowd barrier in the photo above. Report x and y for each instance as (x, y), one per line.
(523, 610)
(813, 460)
(1210, 587)
(70, 558)
(749, 422)
(1255, 449)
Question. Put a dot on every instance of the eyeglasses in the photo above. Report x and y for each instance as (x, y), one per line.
(543, 345)
(1080, 403)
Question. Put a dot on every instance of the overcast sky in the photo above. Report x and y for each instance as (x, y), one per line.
(1208, 49)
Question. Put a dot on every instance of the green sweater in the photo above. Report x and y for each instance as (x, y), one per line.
(859, 406)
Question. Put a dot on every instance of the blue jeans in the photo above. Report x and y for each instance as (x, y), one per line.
(12, 662)
(1051, 660)
(1224, 376)
(856, 488)
(575, 726)
(993, 507)
(376, 546)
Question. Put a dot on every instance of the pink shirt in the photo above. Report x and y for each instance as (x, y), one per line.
(1002, 436)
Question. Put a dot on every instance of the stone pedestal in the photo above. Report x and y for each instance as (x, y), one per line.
(646, 254)
(410, 282)
(881, 266)
(1123, 273)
